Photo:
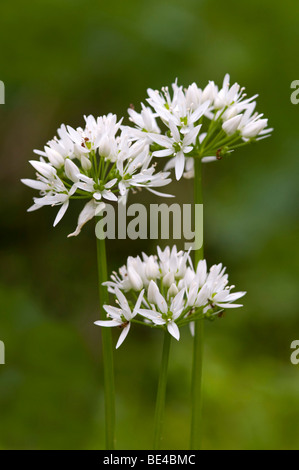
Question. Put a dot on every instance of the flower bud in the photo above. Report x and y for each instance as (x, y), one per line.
(254, 128)
(209, 92)
(135, 279)
(168, 279)
(231, 125)
(104, 146)
(85, 162)
(203, 296)
(54, 157)
(152, 292)
(193, 95)
(151, 268)
(230, 113)
(172, 291)
(45, 169)
(71, 170)
(154, 297)
(192, 294)
(201, 272)
(208, 159)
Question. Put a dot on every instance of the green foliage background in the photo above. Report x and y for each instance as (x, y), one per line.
(62, 59)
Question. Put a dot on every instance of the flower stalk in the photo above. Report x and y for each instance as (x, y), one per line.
(196, 384)
(106, 349)
(161, 394)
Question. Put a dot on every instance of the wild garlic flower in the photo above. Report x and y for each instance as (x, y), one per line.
(97, 163)
(165, 291)
(200, 123)
(121, 316)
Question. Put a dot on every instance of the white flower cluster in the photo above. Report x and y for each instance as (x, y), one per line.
(199, 123)
(104, 160)
(165, 291)
(98, 162)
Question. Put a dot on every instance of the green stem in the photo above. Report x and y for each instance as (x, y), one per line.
(160, 403)
(196, 392)
(106, 348)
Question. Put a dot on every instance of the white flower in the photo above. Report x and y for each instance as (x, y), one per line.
(97, 189)
(251, 124)
(218, 289)
(225, 112)
(58, 149)
(54, 157)
(162, 103)
(176, 146)
(134, 173)
(52, 189)
(170, 265)
(93, 163)
(174, 294)
(227, 95)
(181, 114)
(121, 316)
(254, 128)
(173, 261)
(89, 138)
(164, 314)
(144, 121)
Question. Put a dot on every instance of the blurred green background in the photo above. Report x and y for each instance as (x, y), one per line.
(62, 59)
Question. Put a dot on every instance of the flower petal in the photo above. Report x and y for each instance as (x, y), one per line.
(158, 193)
(85, 215)
(107, 323)
(229, 305)
(35, 184)
(138, 303)
(152, 315)
(61, 212)
(179, 165)
(109, 195)
(163, 153)
(123, 335)
(173, 329)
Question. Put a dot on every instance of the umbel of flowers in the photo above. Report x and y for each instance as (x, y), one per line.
(96, 163)
(190, 123)
(165, 291)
